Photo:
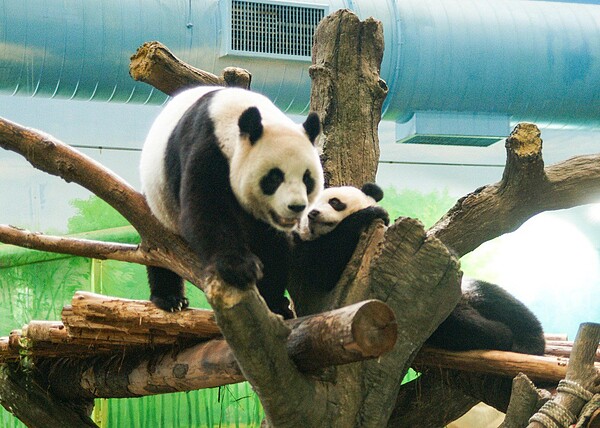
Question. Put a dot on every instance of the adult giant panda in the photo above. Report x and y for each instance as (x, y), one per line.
(233, 175)
(486, 317)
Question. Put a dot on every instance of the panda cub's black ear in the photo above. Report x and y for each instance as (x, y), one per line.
(312, 126)
(250, 122)
(373, 190)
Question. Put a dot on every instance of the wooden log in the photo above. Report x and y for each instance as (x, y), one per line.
(537, 368)
(50, 339)
(7, 353)
(46, 331)
(555, 337)
(205, 365)
(4, 344)
(361, 331)
(352, 333)
(155, 64)
(563, 348)
(129, 321)
(14, 339)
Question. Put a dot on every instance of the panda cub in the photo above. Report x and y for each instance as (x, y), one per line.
(486, 317)
(330, 232)
(233, 175)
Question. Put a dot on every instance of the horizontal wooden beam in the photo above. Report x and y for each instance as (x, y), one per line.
(537, 368)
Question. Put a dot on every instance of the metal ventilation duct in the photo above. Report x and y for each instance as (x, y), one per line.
(517, 59)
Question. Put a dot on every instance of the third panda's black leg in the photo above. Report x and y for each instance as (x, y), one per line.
(166, 289)
(466, 329)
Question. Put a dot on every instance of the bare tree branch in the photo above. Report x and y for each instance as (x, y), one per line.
(526, 189)
(536, 367)
(155, 64)
(159, 245)
(75, 246)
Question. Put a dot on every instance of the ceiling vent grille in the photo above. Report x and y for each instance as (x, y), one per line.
(271, 30)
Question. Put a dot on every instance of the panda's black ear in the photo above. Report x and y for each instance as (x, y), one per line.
(312, 126)
(373, 190)
(250, 122)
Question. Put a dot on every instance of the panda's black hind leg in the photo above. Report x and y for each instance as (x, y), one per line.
(166, 289)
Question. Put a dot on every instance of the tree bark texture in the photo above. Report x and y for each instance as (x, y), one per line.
(526, 189)
(348, 94)
(537, 368)
(525, 400)
(30, 402)
(155, 64)
(584, 381)
(113, 366)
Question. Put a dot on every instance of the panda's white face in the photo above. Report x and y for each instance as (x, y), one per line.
(278, 176)
(333, 205)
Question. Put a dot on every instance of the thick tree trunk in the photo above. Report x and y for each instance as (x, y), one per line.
(348, 93)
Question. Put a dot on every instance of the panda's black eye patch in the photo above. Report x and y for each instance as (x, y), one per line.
(271, 181)
(337, 205)
(309, 182)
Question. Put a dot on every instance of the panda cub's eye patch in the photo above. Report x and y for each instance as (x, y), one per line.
(308, 181)
(337, 205)
(271, 181)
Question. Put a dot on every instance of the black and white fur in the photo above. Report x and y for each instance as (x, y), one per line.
(331, 230)
(233, 175)
(486, 317)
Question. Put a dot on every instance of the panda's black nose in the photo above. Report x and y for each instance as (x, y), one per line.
(297, 208)
(313, 214)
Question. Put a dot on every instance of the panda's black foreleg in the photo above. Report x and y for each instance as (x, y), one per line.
(167, 290)
(211, 218)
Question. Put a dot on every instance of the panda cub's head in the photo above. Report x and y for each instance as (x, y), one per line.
(336, 204)
(275, 172)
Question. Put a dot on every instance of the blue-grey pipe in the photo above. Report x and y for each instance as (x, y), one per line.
(536, 61)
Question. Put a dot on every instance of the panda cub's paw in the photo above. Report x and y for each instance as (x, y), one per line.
(172, 303)
(239, 270)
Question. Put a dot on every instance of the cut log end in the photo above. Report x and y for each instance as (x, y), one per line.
(525, 140)
(237, 77)
(139, 66)
(374, 329)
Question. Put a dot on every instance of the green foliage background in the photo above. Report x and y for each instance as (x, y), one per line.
(427, 207)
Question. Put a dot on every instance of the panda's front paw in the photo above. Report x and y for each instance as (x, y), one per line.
(239, 270)
(173, 303)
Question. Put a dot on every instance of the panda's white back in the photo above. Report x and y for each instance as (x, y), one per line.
(152, 160)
